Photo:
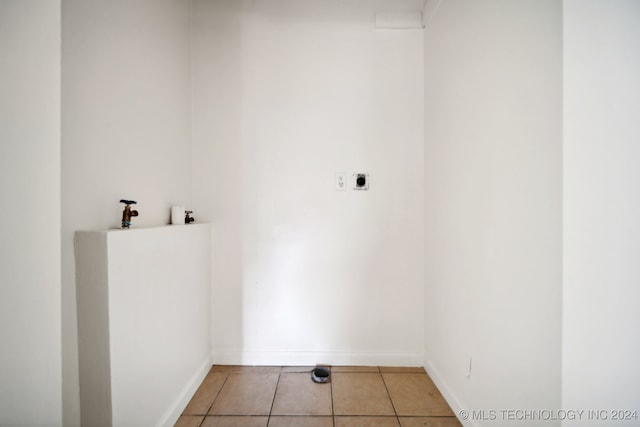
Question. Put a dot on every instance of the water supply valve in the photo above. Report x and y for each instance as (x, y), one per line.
(188, 219)
(128, 213)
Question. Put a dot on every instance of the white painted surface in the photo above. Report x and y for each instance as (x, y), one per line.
(601, 344)
(399, 21)
(125, 130)
(287, 94)
(144, 331)
(30, 375)
(493, 204)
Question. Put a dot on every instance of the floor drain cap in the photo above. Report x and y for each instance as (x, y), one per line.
(320, 375)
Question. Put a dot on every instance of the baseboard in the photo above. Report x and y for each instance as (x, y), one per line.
(171, 416)
(312, 358)
(448, 395)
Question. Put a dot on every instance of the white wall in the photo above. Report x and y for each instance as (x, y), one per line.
(601, 345)
(493, 204)
(286, 95)
(125, 129)
(30, 373)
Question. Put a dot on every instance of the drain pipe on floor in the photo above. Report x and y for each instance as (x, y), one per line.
(320, 375)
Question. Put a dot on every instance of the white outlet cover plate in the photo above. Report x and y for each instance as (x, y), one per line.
(341, 182)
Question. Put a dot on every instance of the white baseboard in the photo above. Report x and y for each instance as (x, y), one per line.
(448, 395)
(171, 416)
(312, 358)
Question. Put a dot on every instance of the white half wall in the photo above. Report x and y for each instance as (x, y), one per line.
(493, 205)
(30, 355)
(287, 94)
(144, 322)
(126, 126)
(601, 344)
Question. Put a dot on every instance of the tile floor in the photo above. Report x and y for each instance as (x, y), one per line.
(246, 396)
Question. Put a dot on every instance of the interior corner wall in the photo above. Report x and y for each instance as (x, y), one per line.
(30, 359)
(493, 216)
(287, 94)
(601, 344)
(126, 128)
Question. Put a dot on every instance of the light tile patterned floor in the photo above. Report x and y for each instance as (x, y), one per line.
(356, 396)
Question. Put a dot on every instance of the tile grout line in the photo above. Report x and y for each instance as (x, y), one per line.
(389, 395)
(333, 412)
(273, 400)
(217, 394)
(214, 399)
